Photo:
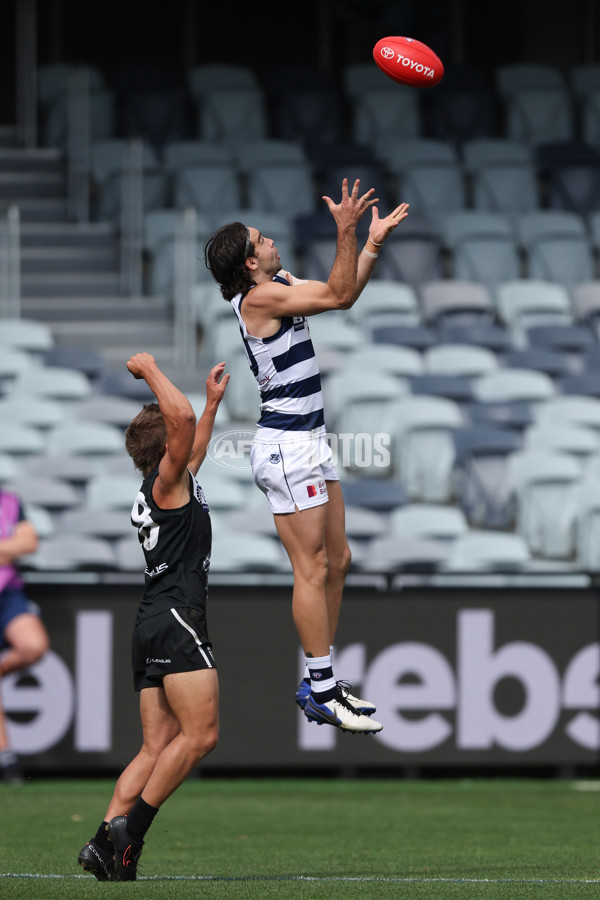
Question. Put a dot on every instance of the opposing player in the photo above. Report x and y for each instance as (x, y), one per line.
(173, 665)
(290, 457)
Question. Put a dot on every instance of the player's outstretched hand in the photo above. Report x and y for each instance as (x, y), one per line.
(351, 208)
(216, 383)
(380, 229)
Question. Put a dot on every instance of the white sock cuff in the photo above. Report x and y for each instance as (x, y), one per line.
(318, 662)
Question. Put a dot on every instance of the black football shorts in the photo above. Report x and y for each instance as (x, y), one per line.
(172, 641)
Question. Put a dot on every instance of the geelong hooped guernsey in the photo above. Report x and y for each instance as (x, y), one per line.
(286, 372)
(176, 545)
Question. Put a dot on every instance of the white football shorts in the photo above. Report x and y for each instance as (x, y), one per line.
(293, 474)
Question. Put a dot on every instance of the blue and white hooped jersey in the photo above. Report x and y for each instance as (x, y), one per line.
(287, 374)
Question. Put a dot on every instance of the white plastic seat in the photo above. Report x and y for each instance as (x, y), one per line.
(569, 410)
(402, 362)
(244, 552)
(488, 551)
(459, 359)
(526, 302)
(71, 552)
(557, 246)
(384, 301)
(429, 520)
(26, 335)
(54, 494)
(380, 113)
(96, 439)
(52, 382)
(423, 448)
(544, 485)
(508, 385)
(455, 302)
(112, 492)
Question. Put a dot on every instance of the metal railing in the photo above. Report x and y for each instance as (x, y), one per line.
(10, 264)
(185, 253)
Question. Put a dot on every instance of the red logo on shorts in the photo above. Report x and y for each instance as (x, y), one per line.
(312, 491)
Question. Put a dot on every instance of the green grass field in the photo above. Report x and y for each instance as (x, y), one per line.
(316, 839)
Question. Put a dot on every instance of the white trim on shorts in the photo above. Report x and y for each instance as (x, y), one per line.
(189, 628)
(293, 474)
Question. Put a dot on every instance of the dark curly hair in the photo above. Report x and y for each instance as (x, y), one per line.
(225, 255)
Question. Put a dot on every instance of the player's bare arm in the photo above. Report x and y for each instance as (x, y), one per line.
(24, 539)
(269, 301)
(379, 232)
(171, 488)
(215, 391)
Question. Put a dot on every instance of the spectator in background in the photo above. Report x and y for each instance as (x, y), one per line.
(23, 638)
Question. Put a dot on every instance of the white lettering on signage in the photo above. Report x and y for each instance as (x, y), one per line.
(56, 700)
(414, 677)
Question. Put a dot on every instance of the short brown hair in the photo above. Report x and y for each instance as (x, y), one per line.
(146, 437)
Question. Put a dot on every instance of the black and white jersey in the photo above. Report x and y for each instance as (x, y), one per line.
(176, 545)
(286, 372)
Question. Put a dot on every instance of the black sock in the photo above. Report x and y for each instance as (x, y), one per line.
(139, 819)
(101, 837)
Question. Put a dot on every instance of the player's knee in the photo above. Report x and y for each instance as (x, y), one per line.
(33, 649)
(205, 743)
(340, 564)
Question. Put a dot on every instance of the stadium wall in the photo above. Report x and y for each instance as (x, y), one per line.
(463, 677)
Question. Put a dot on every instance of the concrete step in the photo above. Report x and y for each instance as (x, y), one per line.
(37, 209)
(68, 234)
(70, 284)
(112, 309)
(82, 260)
(15, 186)
(20, 159)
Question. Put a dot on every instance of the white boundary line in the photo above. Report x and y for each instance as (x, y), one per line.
(366, 879)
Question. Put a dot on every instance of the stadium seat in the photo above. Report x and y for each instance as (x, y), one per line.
(81, 438)
(121, 384)
(53, 494)
(109, 524)
(378, 113)
(244, 552)
(334, 329)
(231, 114)
(492, 336)
(112, 492)
(418, 337)
(71, 467)
(385, 302)
(423, 448)
(413, 253)
(306, 112)
(454, 387)
(536, 102)
(108, 161)
(26, 335)
(368, 392)
(488, 551)
(390, 555)
(34, 410)
(20, 441)
(208, 187)
(569, 409)
(9, 468)
(381, 495)
(53, 382)
(456, 302)
(428, 520)
(242, 397)
(511, 414)
(462, 108)
(84, 359)
(582, 383)
(111, 410)
(585, 297)
(69, 552)
(544, 484)
(556, 245)
(523, 303)
(570, 176)
(540, 359)
(371, 174)
(578, 440)
(402, 362)
(510, 385)
(586, 524)
(459, 359)
(482, 245)
(480, 478)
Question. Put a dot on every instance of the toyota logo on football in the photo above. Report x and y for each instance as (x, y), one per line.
(387, 52)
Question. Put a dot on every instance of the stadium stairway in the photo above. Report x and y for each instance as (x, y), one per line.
(70, 277)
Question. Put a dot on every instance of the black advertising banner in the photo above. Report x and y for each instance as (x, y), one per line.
(461, 677)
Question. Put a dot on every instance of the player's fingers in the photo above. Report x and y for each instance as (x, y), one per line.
(355, 187)
(368, 195)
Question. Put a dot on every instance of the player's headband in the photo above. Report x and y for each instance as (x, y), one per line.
(247, 244)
